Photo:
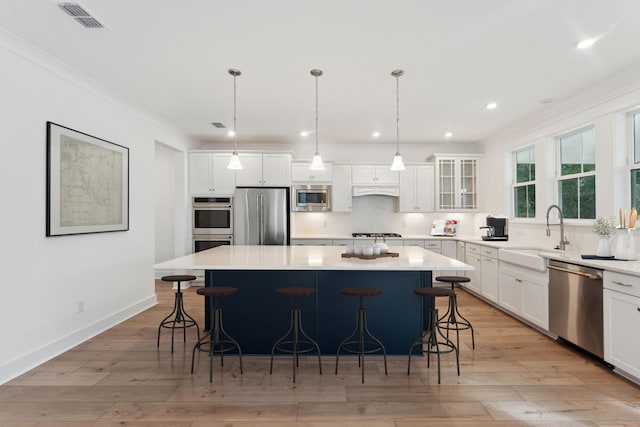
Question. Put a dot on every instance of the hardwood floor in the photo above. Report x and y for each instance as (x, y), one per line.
(515, 377)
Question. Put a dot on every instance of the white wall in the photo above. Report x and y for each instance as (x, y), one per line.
(44, 279)
(605, 107)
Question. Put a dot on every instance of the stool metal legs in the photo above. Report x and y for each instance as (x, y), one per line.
(364, 338)
(430, 340)
(178, 318)
(454, 321)
(217, 337)
(292, 339)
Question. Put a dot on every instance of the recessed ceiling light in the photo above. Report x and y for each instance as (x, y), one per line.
(304, 133)
(375, 134)
(491, 106)
(448, 135)
(586, 43)
(231, 133)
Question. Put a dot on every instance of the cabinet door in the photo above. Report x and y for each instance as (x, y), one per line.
(425, 176)
(224, 179)
(414, 242)
(251, 173)
(276, 170)
(535, 302)
(510, 292)
(200, 174)
(622, 331)
(311, 242)
(408, 201)
(341, 188)
(474, 260)
(457, 183)
(384, 175)
(489, 278)
(461, 256)
(363, 174)
(301, 173)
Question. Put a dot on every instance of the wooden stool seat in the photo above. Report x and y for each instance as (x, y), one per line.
(217, 291)
(433, 292)
(179, 278)
(361, 292)
(453, 279)
(295, 292)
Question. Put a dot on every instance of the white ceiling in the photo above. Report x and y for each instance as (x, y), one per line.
(171, 58)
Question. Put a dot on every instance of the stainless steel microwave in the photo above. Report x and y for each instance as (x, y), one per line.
(311, 198)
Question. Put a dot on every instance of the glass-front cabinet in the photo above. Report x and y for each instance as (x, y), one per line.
(456, 182)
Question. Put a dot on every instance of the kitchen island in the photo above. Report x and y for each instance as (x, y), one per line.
(257, 317)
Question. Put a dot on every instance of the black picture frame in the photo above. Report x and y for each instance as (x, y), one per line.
(87, 183)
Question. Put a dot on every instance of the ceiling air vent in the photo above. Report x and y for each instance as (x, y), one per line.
(80, 14)
(218, 125)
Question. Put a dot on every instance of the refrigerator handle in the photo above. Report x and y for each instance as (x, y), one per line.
(260, 219)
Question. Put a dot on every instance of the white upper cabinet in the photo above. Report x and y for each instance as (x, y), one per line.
(417, 188)
(208, 174)
(341, 189)
(373, 175)
(457, 182)
(264, 170)
(302, 174)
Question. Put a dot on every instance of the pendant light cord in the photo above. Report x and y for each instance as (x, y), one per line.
(235, 127)
(316, 114)
(397, 114)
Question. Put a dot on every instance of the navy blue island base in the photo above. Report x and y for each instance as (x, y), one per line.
(256, 317)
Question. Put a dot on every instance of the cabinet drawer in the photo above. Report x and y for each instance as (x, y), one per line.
(473, 249)
(432, 245)
(623, 283)
(490, 252)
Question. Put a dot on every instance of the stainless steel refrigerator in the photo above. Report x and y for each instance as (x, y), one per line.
(261, 216)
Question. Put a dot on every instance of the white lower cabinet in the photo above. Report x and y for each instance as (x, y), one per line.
(622, 322)
(525, 293)
(311, 242)
(474, 258)
(489, 278)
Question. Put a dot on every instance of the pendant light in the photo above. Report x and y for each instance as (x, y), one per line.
(234, 163)
(316, 163)
(397, 164)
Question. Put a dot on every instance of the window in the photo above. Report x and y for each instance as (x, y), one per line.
(524, 187)
(635, 168)
(577, 174)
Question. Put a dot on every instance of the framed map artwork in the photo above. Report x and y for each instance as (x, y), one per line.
(87, 183)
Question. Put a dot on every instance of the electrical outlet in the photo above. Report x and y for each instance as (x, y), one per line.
(80, 307)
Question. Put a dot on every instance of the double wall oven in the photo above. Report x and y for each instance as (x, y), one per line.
(212, 219)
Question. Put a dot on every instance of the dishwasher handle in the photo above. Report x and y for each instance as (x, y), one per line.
(579, 273)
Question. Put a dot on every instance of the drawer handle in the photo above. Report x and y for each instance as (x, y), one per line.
(519, 280)
(615, 282)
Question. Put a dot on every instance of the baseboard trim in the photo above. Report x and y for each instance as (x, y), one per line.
(28, 361)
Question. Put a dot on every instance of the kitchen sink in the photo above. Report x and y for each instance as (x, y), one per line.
(524, 257)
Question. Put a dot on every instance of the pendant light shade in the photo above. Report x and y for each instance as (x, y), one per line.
(316, 163)
(234, 163)
(398, 164)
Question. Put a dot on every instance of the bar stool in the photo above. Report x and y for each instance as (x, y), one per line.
(364, 337)
(454, 321)
(178, 318)
(217, 336)
(290, 342)
(430, 338)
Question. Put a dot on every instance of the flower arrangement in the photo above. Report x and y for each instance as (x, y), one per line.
(604, 226)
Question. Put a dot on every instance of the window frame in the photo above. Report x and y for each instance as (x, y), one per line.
(559, 177)
(631, 164)
(515, 184)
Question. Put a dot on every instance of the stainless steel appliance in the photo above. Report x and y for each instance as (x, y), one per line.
(575, 305)
(208, 241)
(497, 229)
(212, 215)
(261, 216)
(311, 198)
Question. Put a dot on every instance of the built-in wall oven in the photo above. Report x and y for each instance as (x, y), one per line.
(212, 215)
(204, 242)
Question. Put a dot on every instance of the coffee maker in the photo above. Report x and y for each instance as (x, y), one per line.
(497, 229)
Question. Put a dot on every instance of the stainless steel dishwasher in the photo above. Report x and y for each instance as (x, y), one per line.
(575, 305)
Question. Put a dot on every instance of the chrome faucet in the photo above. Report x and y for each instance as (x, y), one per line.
(563, 239)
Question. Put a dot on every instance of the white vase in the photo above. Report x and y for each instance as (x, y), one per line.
(604, 246)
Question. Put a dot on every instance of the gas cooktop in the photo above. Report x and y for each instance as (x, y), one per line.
(375, 235)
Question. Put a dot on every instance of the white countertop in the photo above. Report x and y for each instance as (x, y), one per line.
(240, 257)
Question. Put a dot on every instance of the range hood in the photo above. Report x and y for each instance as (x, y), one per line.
(376, 191)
